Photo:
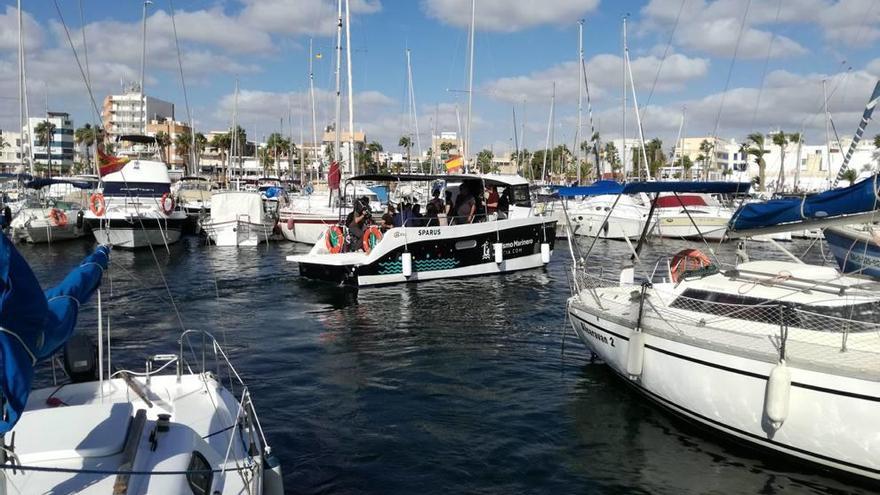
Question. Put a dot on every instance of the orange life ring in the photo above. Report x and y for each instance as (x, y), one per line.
(97, 205)
(371, 237)
(57, 217)
(334, 239)
(166, 202)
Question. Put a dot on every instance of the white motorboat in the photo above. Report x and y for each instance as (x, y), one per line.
(691, 216)
(608, 216)
(168, 429)
(44, 219)
(194, 196)
(435, 249)
(134, 207)
(239, 218)
(308, 216)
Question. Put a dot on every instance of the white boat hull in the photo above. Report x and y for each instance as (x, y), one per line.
(306, 229)
(134, 238)
(681, 227)
(238, 233)
(46, 234)
(832, 419)
(619, 228)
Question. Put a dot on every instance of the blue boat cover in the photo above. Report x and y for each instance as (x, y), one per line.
(34, 325)
(40, 183)
(861, 197)
(602, 187)
(274, 191)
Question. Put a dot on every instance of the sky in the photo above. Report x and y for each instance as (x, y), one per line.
(722, 67)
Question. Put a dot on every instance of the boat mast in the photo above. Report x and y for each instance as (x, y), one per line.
(412, 102)
(577, 132)
(636, 109)
(547, 144)
(470, 91)
(315, 147)
(235, 145)
(827, 132)
(143, 66)
(352, 166)
(24, 114)
(336, 154)
(623, 144)
(678, 144)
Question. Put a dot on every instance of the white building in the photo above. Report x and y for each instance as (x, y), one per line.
(130, 112)
(10, 154)
(59, 152)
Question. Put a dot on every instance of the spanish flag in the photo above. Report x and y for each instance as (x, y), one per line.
(454, 163)
(107, 164)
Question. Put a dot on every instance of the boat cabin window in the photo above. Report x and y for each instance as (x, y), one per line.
(199, 475)
(864, 317)
(136, 189)
(520, 195)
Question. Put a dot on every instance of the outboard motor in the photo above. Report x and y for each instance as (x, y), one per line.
(81, 359)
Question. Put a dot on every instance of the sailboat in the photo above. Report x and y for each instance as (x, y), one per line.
(168, 429)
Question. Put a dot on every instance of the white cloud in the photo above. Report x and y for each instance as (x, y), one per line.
(304, 17)
(604, 72)
(31, 31)
(509, 15)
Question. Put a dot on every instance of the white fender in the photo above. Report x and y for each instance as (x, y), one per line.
(545, 253)
(635, 355)
(776, 399)
(499, 252)
(627, 276)
(273, 480)
(406, 263)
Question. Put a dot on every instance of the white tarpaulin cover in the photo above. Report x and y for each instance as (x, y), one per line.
(236, 205)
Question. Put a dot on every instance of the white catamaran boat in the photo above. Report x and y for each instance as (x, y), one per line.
(781, 355)
(428, 249)
(167, 430)
(240, 218)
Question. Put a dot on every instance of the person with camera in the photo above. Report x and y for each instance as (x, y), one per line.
(357, 222)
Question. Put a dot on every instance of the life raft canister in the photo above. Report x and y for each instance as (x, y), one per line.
(57, 217)
(334, 239)
(166, 202)
(97, 205)
(371, 237)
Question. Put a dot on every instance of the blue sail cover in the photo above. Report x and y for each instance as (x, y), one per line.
(858, 198)
(602, 187)
(33, 324)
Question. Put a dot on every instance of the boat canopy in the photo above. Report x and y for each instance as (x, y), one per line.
(836, 206)
(603, 187)
(41, 183)
(489, 179)
(36, 324)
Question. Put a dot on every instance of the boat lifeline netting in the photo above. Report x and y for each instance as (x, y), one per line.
(844, 341)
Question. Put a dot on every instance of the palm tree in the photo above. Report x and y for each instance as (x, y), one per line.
(780, 139)
(374, 148)
(850, 175)
(612, 157)
(44, 132)
(85, 137)
(706, 154)
(406, 142)
(201, 144)
(484, 161)
(796, 138)
(183, 146)
(756, 149)
(163, 141)
(446, 147)
(877, 149)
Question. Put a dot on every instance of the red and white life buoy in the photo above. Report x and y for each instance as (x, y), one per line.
(334, 239)
(97, 205)
(57, 217)
(166, 203)
(371, 237)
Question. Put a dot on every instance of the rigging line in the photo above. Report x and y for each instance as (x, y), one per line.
(766, 64)
(742, 26)
(82, 22)
(76, 57)
(192, 129)
(662, 60)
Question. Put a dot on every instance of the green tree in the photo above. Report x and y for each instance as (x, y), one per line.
(277, 146)
(656, 157)
(780, 139)
(484, 161)
(201, 143)
(85, 137)
(612, 158)
(163, 141)
(850, 175)
(44, 131)
(221, 143)
(183, 146)
(406, 142)
(706, 153)
(756, 150)
(686, 164)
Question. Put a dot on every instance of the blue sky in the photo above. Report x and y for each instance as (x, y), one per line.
(522, 48)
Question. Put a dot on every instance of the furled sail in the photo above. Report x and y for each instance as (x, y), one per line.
(866, 117)
(33, 324)
(858, 202)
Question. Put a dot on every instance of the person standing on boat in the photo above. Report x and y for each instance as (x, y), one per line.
(466, 205)
(492, 200)
(357, 223)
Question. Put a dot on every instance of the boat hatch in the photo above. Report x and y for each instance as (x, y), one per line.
(94, 430)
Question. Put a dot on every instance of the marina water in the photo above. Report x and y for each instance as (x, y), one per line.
(451, 386)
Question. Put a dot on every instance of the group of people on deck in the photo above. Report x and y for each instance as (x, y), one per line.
(472, 204)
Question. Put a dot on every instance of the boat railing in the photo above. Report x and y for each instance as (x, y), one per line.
(212, 358)
(771, 332)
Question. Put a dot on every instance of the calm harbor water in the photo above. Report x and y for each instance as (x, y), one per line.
(455, 386)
